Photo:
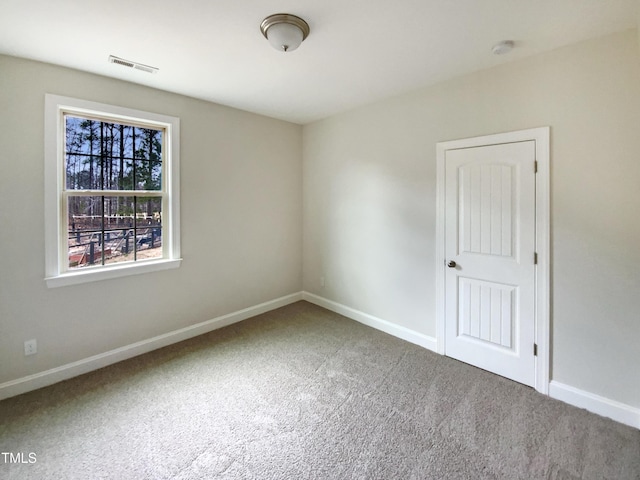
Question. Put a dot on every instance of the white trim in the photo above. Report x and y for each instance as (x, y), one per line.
(620, 412)
(542, 319)
(379, 324)
(70, 370)
(56, 261)
(111, 271)
(617, 411)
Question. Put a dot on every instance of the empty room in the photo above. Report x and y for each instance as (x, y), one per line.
(320, 240)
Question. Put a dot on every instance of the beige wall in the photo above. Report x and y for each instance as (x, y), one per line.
(240, 213)
(369, 210)
(369, 200)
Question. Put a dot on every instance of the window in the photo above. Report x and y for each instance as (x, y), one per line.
(111, 191)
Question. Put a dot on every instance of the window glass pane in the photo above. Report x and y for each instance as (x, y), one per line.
(149, 227)
(81, 153)
(106, 230)
(148, 159)
(119, 229)
(84, 227)
(101, 155)
(118, 212)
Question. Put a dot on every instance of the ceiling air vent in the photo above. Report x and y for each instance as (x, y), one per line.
(130, 64)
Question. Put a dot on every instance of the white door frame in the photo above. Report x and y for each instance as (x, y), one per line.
(542, 301)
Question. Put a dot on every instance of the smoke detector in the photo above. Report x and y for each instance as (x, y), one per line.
(131, 64)
(503, 47)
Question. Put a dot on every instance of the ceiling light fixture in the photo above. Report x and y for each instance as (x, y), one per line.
(503, 47)
(285, 32)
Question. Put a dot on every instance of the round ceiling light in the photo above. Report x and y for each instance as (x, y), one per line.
(285, 32)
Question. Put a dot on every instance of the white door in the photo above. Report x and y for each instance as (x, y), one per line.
(489, 246)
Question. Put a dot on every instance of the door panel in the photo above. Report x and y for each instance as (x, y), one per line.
(490, 235)
(486, 311)
(486, 218)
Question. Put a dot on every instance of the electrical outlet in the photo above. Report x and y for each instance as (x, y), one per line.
(30, 347)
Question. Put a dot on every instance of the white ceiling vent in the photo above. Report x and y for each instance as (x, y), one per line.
(130, 64)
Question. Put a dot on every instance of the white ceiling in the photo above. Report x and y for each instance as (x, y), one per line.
(358, 51)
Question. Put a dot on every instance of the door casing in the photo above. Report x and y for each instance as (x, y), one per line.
(541, 137)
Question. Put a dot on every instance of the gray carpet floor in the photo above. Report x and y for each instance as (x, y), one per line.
(304, 393)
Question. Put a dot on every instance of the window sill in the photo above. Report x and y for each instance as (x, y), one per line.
(105, 273)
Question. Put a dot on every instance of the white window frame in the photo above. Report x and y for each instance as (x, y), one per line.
(57, 273)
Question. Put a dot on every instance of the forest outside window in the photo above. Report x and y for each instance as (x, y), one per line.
(111, 191)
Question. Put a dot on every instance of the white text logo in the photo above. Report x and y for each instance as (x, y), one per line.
(10, 457)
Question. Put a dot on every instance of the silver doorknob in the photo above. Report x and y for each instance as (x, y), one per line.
(452, 264)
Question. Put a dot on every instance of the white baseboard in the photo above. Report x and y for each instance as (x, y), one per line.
(64, 372)
(617, 411)
(391, 328)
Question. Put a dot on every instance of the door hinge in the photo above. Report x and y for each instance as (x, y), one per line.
(535, 166)
(535, 349)
(535, 258)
